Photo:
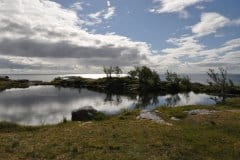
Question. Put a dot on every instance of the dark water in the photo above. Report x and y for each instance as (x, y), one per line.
(201, 78)
(39, 105)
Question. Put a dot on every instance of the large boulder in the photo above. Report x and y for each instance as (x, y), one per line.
(87, 113)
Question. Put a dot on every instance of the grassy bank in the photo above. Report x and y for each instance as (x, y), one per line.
(7, 84)
(215, 136)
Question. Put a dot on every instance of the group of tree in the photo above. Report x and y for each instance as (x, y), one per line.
(150, 80)
(109, 71)
(176, 83)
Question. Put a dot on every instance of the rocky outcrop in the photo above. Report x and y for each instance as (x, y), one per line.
(200, 112)
(148, 115)
(87, 113)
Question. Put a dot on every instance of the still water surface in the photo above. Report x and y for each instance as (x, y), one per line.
(39, 105)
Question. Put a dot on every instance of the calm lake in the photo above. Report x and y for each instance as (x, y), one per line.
(40, 105)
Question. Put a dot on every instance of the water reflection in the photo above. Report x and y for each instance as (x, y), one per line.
(144, 100)
(48, 105)
(113, 99)
(173, 100)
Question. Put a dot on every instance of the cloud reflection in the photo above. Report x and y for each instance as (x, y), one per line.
(39, 105)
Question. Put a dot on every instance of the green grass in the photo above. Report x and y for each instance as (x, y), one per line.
(209, 137)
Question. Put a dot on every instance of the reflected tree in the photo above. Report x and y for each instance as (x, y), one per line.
(113, 99)
(145, 100)
(109, 97)
(173, 100)
(118, 100)
(186, 96)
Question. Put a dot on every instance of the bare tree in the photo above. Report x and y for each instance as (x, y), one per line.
(105, 70)
(108, 71)
(220, 80)
(117, 71)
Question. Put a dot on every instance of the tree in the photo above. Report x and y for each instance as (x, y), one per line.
(220, 80)
(173, 81)
(108, 71)
(117, 71)
(148, 79)
(172, 77)
(185, 83)
(132, 74)
(176, 83)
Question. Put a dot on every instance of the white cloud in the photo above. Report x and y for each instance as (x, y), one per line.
(186, 45)
(174, 6)
(236, 22)
(42, 36)
(210, 23)
(200, 7)
(192, 56)
(108, 3)
(109, 13)
(188, 51)
(99, 16)
(219, 35)
(45, 31)
(78, 6)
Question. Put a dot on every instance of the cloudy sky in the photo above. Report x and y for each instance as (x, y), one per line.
(82, 36)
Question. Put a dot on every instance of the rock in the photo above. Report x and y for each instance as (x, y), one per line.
(200, 112)
(174, 119)
(84, 114)
(152, 116)
(156, 111)
(234, 110)
(84, 123)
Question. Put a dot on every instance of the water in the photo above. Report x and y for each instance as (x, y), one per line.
(200, 78)
(38, 105)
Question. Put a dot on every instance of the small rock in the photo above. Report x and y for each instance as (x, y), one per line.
(200, 112)
(84, 123)
(175, 119)
(234, 110)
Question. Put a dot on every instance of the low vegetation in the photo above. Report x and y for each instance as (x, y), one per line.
(144, 80)
(214, 136)
(6, 83)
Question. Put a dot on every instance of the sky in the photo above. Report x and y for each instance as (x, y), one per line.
(82, 36)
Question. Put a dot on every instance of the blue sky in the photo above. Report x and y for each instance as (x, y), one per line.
(133, 19)
(186, 36)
